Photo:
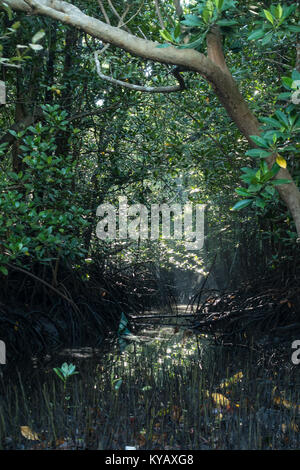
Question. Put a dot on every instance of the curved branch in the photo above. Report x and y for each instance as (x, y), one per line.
(145, 89)
(69, 14)
(213, 70)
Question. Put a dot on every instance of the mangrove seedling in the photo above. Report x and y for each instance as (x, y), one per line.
(65, 371)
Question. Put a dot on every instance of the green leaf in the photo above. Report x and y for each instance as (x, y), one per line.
(282, 117)
(271, 121)
(177, 31)
(16, 25)
(287, 81)
(13, 133)
(191, 20)
(254, 188)
(295, 75)
(71, 369)
(267, 39)
(241, 204)
(258, 153)
(260, 203)
(294, 28)
(8, 10)
(227, 22)
(58, 372)
(206, 15)
(4, 270)
(284, 96)
(123, 330)
(219, 4)
(259, 141)
(270, 190)
(257, 34)
(269, 16)
(278, 11)
(242, 192)
(166, 35)
(194, 44)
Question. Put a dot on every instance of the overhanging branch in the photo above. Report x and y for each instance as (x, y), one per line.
(145, 89)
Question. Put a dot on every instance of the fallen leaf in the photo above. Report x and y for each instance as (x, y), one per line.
(233, 380)
(220, 400)
(141, 440)
(29, 434)
(287, 404)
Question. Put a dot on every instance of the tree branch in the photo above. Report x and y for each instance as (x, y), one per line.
(145, 89)
(213, 68)
(297, 66)
(104, 12)
(178, 8)
(215, 49)
(69, 14)
(158, 12)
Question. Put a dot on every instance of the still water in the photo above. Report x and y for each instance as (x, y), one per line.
(162, 388)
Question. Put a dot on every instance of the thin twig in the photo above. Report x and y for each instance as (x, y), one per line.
(158, 12)
(164, 89)
(104, 12)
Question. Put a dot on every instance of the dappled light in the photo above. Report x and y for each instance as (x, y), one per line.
(149, 227)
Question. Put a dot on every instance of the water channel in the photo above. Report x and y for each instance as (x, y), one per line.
(163, 387)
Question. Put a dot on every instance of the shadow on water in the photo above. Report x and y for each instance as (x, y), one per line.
(168, 389)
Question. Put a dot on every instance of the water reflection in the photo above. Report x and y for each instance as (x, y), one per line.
(167, 389)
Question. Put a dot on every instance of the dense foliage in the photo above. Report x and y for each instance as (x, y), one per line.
(71, 141)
